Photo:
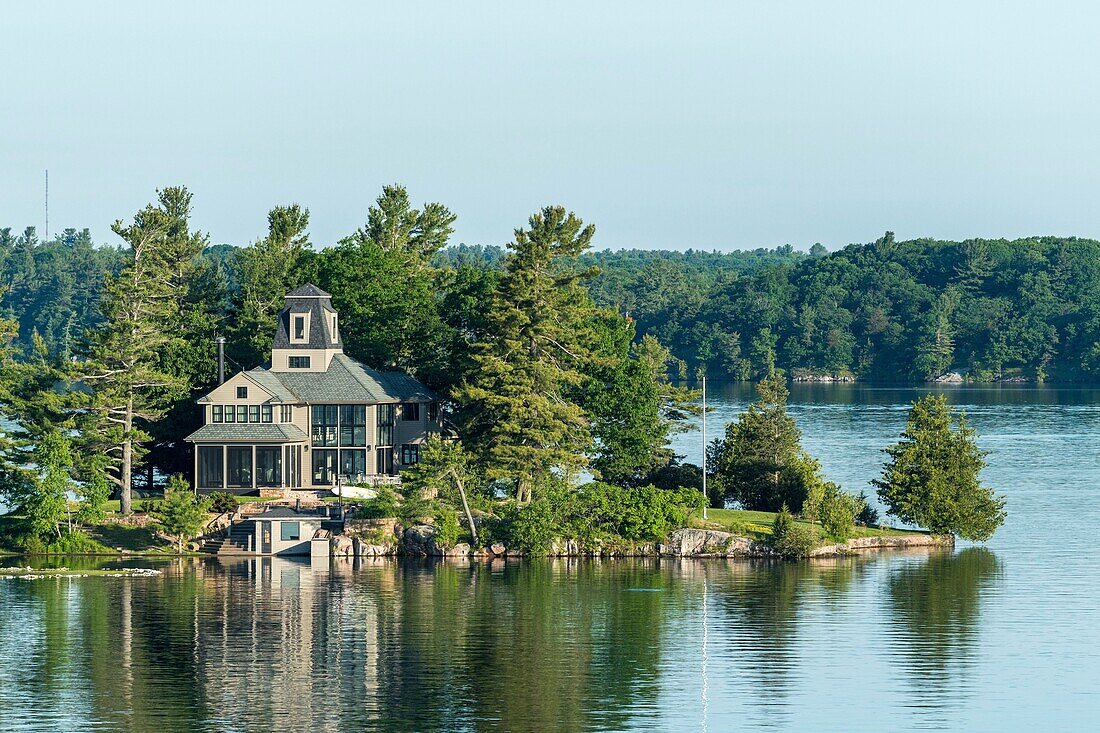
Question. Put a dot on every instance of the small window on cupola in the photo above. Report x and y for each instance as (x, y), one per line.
(299, 328)
(335, 332)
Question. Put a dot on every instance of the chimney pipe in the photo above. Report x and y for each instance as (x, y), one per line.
(221, 359)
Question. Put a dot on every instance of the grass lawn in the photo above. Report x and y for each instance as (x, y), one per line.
(758, 525)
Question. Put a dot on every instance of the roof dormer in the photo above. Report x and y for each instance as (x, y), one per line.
(308, 335)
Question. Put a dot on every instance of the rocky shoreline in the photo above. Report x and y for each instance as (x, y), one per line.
(421, 541)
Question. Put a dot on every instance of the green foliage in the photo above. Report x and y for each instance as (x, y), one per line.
(530, 527)
(447, 529)
(47, 506)
(69, 543)
(868, 515)
(385, 504)
(839, 510)
(181, 514)
(932, 478)
(760, 463)
(222, 502)
(517, 415)
(94, 495)
(791, 541)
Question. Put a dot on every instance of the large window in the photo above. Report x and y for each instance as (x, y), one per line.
(238, 466)
(286, 413)
(353, 463)
(210, 466)
(290, 531)
(410, 454)
(269, 466)
(385, 424)
(297, 362)
(324, 425)
(410, 412)
(216, 413)
(353, 425)
(324, 467)
(383, 460)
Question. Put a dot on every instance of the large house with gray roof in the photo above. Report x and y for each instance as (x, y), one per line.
(313, 416)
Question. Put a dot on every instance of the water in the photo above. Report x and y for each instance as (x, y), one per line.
(1001, 637)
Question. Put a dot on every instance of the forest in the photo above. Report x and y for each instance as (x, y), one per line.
(886, 311)
(553, 359)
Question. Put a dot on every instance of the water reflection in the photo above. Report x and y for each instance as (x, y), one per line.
(262, 644)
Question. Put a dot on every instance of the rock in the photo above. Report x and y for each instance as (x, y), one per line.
(497, 548)
(514, 553)
(341, 546)
(689, 542)
(949, 378)
(419, 541)
(482, 552)
(460, 550)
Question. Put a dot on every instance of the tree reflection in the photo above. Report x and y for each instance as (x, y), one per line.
(936, 609)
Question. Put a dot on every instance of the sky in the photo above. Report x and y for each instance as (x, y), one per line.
(668, 125)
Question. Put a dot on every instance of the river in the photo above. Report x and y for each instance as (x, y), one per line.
(1000, 637)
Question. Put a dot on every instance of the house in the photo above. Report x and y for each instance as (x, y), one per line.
(312, 416)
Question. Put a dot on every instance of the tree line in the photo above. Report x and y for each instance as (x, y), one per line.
(539, 380)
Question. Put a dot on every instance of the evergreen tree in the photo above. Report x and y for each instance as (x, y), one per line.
(932, 478)
(516, 412)
(181, 514)
(385, 287)
(124, 366)
(760, 463)
(268, 270)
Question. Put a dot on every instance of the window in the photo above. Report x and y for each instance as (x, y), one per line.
(353, 463)
(297, 362)
(230, 414)
(324, 425)
(265, 413)
(410, 412)
(216, 413)
(383, 458)
(286, 413)
(242, 413)
(433, 412)
(410, 454)
(253, 413)
(238, 464)
(324, 467)
(335, 331)
(299, 332)
(210, 467)
(242, 393)
(385, 425)
(353, 425)
(269, 466)
(290, 531)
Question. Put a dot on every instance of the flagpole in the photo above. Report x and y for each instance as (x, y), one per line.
(705, 499)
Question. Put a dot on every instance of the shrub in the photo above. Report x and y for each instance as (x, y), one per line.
(530, 528)
(383, 505)
(838, 513)
(789, 540)
(222, 502)
(447, 529)
(181, 514)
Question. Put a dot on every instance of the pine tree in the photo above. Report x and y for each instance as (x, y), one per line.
(124, 366)
(181, 514)
(516, 412)
(932, 478)
(760, 462)
(269, 269)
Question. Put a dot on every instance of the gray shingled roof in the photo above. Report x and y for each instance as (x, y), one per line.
(247, 432)
(270, 382)
(349, 381)
(317, 303)
(309, 290)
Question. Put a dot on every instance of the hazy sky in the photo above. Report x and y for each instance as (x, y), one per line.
(673, 125)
